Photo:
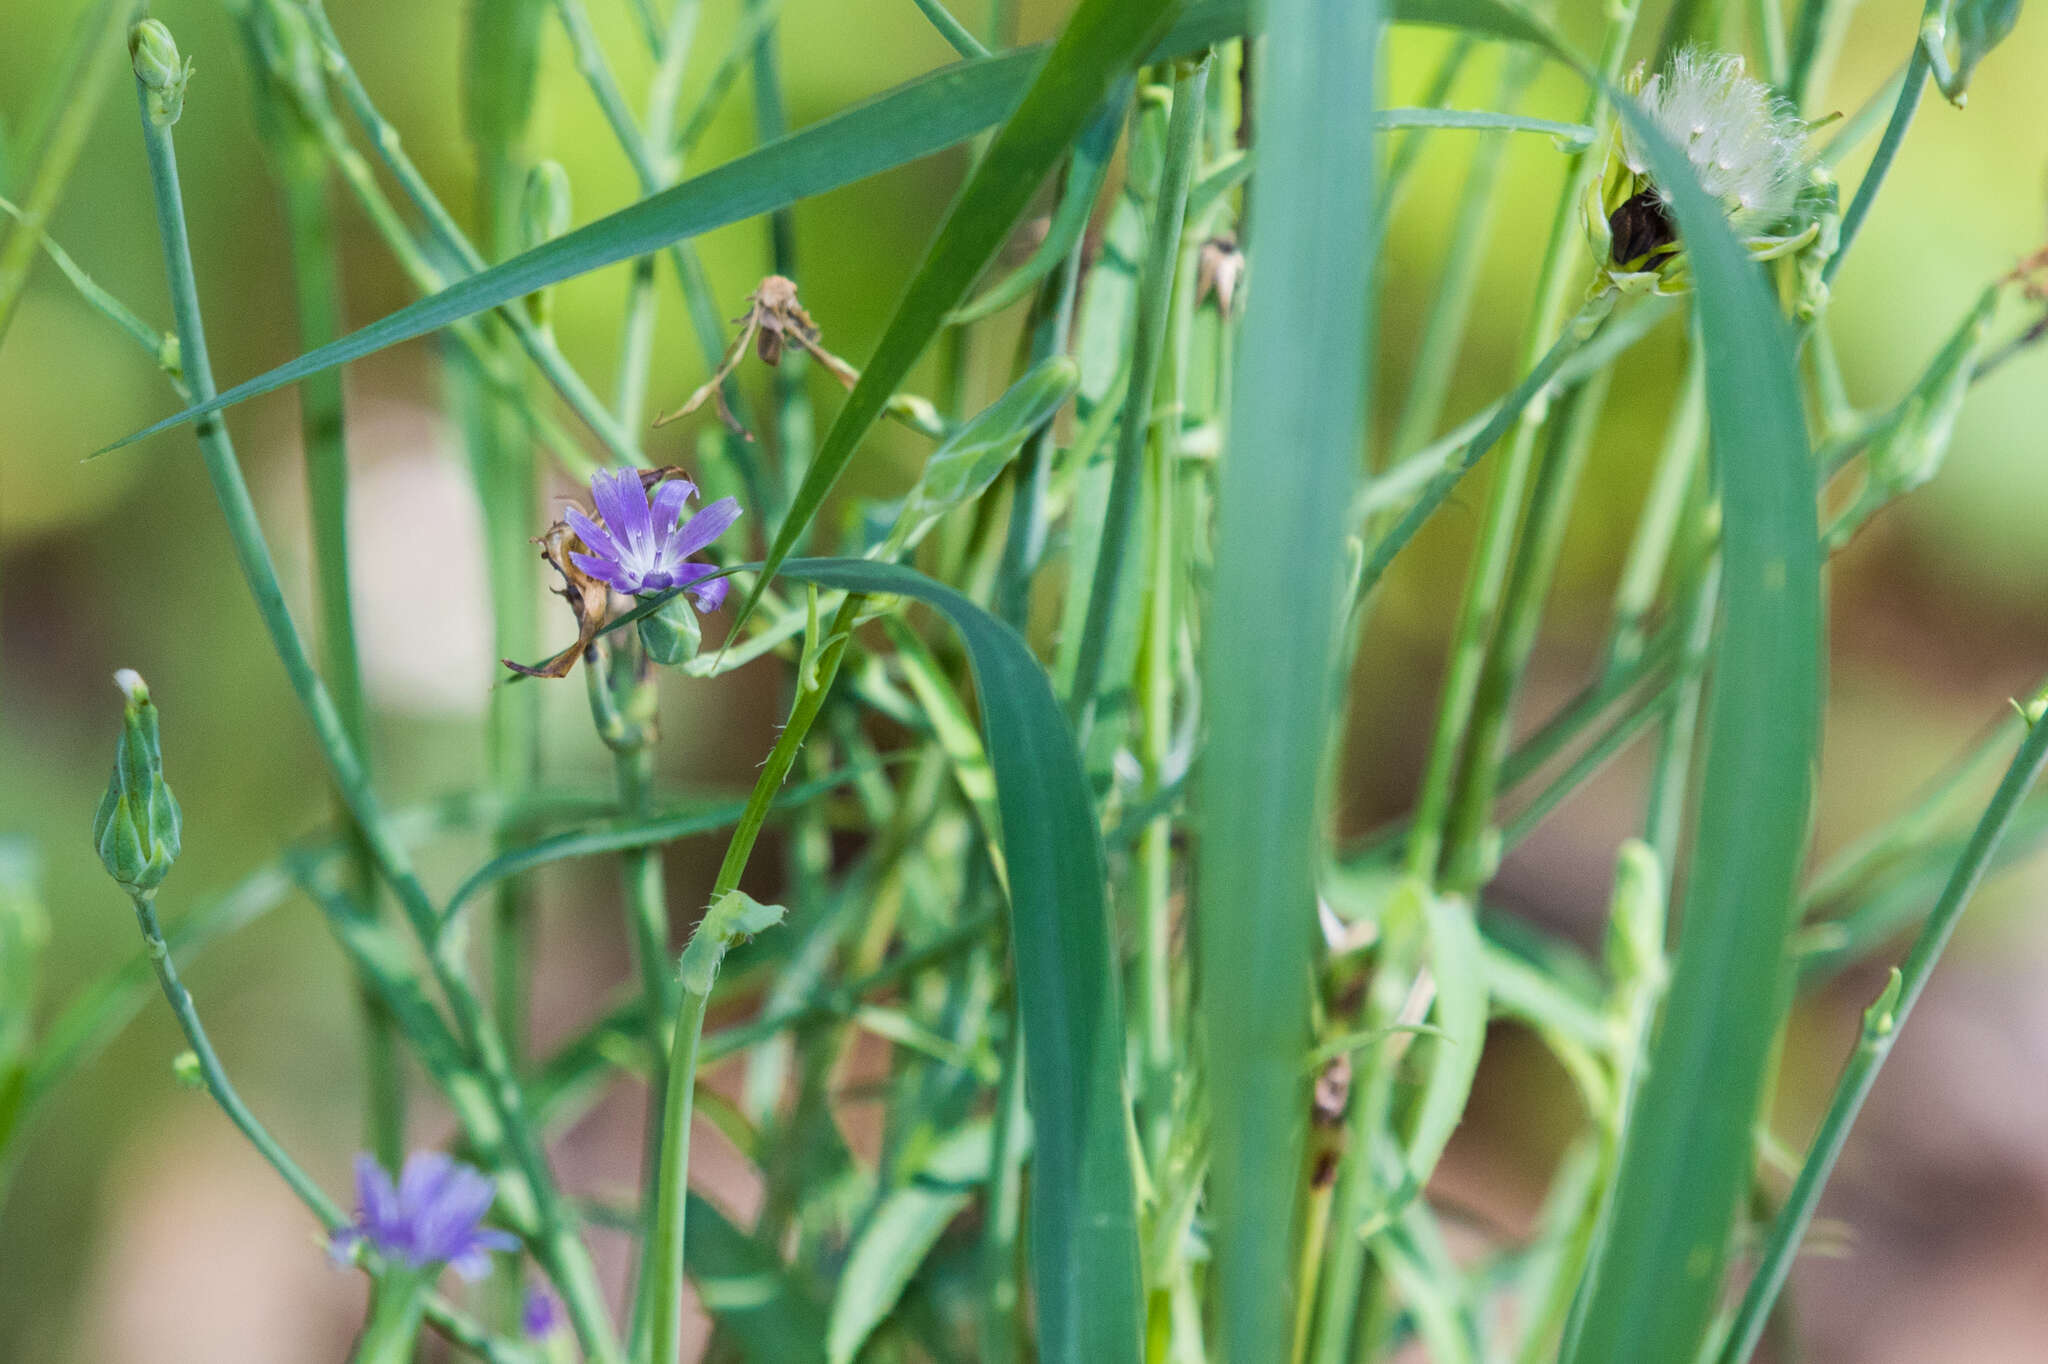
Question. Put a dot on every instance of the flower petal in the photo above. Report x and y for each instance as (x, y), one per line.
(669, 500)
(623, 504)
(711, 595)
(426, 1174)
(706, 526)
(377, 1204)
(605, 571)
(596, 537)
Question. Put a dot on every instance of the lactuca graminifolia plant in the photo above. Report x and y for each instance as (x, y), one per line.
(1128, 1111)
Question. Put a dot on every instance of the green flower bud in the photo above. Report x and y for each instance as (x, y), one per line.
(672, 634)
(545, 206)
(161, 70)
(544, 210)
(136, 828)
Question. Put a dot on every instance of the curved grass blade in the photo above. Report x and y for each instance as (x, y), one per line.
(1099, 45)
(1297, 442)
(1085, 174)
(1083, 1229)
(1686, 1149)
(926, 115)
(904, 1228)
(620, 836)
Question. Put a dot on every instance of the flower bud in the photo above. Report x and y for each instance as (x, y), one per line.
(161, 70)
(672, 634)
(137, 826)
(545, 205)
(186, 1070)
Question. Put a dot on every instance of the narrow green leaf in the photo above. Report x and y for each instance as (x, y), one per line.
(1457, 958)
(919, 118)
(748, 1289)
(1103, 40)
(1686, 1154)
(899, 1235)
(1296, 447)
(1083, 1230)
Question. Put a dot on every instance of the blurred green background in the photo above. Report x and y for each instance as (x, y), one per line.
(139, 1228)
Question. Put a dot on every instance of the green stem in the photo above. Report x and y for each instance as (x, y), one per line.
(1910, 91)
(665, 1274)
(1881, 1024)
(324, 433)
(75, 104)
(392, 1333)
(565, 1256)
(215, 1076)
(1473, 849)
(952, 30)
(655, 169)
(1155, 295)
(1649, 553)
(456, 1326)
(538, 344)
(1002, 1289)
(1481, 601)
(1450, 307)
(646, 893)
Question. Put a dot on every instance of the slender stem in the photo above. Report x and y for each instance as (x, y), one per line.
(1450, 307)
(392, 1333)
(537, 343)
(1649, 553)
(567, 1259)
(952, 30)
(654, 169)
(1002, 1293)
(665, 1274)
(324, 433)
(1483, 588)
(1880, 1029)
(664, 1267)
(640, 873)
(211, 1071)
(1473, 849)
(458, 1327)
(1915, 84)
(75, 104)
(1024, 547)
(1155, 295)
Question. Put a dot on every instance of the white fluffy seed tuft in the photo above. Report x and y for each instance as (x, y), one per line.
(1746, 145)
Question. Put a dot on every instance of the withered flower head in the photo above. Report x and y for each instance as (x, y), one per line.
(773, 321)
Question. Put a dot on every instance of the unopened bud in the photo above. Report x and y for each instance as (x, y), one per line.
(672, 634)
(546, 204)
(137, 826)
(161, 70)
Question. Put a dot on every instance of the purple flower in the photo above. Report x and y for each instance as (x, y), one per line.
(642, 548)
(432, 1218)
(538, 1316)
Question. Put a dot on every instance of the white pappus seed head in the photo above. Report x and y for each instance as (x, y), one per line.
(1746, 145)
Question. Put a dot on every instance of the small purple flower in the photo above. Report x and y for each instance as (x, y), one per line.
(431, 1218)
(538, 1316)
(642, 548)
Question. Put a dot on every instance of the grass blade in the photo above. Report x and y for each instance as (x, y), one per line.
(1083, 1228)
(1103, 40)
(1686, 1152)
(897, 1238)
(926, 115)
(1296, 446)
